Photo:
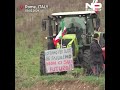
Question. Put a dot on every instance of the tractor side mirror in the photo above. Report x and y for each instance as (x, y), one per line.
(44, 25)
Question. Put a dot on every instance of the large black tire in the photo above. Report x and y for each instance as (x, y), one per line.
(86, 62)
(80, 56)
(42, 64)
(79, 59)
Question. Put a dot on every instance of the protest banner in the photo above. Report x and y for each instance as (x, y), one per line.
(58, 60)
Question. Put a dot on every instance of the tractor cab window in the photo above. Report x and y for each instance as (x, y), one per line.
(74, 25)
(73, 22)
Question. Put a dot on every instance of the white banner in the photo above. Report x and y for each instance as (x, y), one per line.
(58, 60)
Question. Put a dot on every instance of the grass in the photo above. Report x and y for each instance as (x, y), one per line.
(89, 79)
(27, 59)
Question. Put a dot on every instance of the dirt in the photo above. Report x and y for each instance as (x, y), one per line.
(63, 85)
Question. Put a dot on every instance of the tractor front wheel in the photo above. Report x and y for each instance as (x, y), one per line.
(42, 64)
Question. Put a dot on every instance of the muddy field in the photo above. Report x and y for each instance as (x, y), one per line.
(64, 85)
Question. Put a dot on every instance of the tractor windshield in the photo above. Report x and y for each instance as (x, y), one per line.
(74, 25)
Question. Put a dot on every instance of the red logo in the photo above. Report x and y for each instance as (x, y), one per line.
(21, 7)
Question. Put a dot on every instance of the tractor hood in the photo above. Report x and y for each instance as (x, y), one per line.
(69, 36)
(67, 40)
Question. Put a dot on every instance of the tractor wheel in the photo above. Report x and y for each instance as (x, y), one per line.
(79, 59)
(86, 62)
(80, 56)
(42, 64)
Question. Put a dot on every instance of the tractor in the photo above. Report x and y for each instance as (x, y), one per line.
(80, 28)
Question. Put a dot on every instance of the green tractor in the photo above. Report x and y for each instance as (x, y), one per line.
(80, 28)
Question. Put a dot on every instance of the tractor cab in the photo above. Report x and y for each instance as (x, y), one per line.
(80, 23)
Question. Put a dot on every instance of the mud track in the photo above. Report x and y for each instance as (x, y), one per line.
(63, 85)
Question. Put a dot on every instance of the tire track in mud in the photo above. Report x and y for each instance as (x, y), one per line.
(63, 85)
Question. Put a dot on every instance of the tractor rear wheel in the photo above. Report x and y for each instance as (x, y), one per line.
(42, 64)
(86, 62)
